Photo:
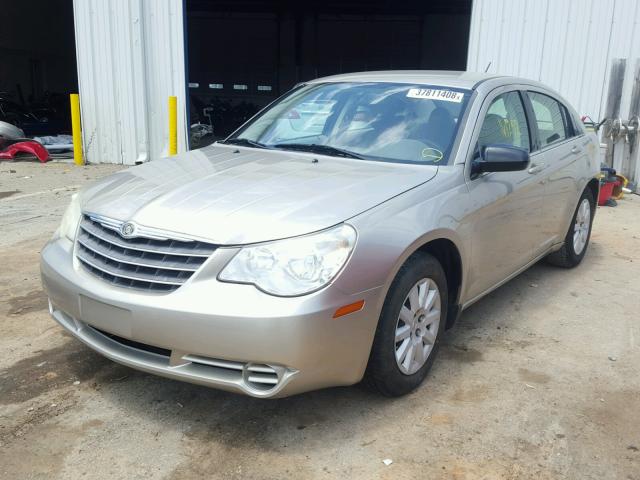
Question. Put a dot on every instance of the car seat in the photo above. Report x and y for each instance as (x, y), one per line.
(438, 129)
(495, 130)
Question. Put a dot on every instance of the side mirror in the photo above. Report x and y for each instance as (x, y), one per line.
(501, 158)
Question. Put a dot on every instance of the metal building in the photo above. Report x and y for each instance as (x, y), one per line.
(239, 55)
(131, 58)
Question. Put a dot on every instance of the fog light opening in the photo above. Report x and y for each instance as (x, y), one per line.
(261, 377)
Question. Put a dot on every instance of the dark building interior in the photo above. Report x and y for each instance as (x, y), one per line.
(242, 54)
(37, 65)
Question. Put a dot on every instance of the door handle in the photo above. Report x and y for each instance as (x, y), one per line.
(536, 168)
(576, 150)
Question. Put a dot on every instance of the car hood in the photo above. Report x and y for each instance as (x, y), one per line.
(232, 196)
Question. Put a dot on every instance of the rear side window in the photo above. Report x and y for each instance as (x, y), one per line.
(505, 123)
(574, 125)
(551, 119)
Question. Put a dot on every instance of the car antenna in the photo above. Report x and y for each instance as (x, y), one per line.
(487, 69)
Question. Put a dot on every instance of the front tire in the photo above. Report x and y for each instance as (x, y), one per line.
(410, 327)
(577, 239)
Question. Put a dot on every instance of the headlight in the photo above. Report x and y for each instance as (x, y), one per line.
(70, 219)
(294, 266)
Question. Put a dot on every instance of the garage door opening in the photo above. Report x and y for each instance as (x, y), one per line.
(38, 66)
(243, 54)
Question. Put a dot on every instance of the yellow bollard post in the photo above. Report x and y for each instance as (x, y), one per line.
(76, 129)
(173, 125)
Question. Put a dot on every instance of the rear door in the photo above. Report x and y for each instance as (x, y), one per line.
(507, 206)
(560, 152)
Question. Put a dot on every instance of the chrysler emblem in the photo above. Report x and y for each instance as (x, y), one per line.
(128, 229)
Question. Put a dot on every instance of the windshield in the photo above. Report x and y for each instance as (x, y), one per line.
(377, 121)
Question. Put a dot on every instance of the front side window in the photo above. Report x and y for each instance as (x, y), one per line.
(505, 123)
(390, 122)
(550, 119)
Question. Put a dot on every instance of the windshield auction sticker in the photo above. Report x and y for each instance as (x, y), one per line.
(431, 94)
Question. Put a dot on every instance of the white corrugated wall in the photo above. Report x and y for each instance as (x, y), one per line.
(130, 60)
(566, 44)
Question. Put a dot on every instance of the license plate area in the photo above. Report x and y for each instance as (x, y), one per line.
(103, 316)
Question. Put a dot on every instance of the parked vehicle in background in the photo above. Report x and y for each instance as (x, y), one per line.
(331, 238)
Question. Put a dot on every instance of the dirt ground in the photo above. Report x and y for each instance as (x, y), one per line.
(539, 380)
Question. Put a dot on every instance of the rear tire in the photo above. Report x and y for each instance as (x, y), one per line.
(576, 241)
(419, 290)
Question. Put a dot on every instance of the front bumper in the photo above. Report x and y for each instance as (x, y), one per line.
(223, 335)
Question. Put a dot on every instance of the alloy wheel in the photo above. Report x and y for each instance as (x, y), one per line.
(417, 326)
(581, 227)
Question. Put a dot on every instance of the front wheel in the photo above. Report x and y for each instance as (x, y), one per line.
(577, 239)
(409, 328)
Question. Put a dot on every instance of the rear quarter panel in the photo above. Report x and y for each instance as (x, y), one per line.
(590, 167)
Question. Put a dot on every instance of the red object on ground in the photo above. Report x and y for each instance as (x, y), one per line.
(606, 190)
(8, 150)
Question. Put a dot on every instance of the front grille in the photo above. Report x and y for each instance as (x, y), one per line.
(154, 264)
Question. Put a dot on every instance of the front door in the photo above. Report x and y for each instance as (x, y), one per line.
(507, 214)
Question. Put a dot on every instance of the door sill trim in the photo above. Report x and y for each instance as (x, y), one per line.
(505, 280)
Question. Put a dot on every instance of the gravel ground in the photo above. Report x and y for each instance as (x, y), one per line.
(538, 380)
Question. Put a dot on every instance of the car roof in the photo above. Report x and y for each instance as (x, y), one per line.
(445, 78)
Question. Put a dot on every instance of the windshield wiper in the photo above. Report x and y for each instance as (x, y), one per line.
(245, 142)
(322, 149)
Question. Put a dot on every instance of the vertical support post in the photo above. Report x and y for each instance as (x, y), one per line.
(634, 111)
(173, 125)
(614, 98)
(76, 129)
